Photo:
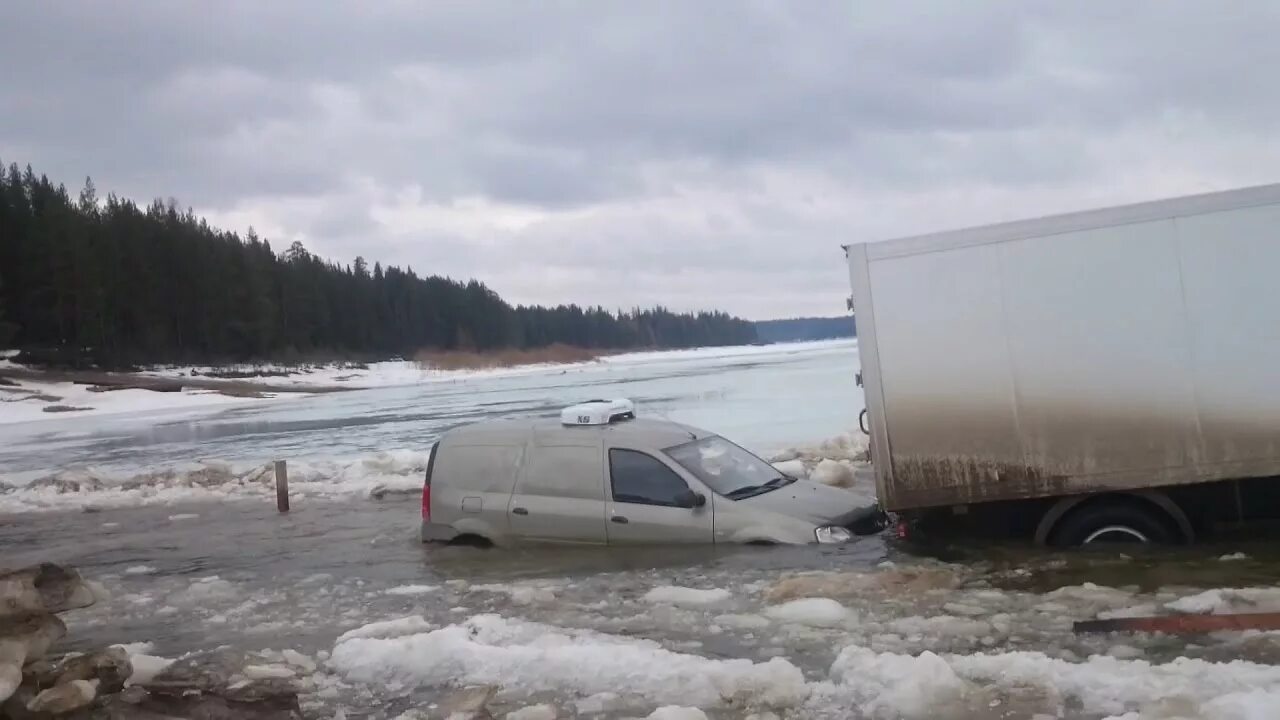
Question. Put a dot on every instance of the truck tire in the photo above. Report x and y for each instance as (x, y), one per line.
(1114, 521)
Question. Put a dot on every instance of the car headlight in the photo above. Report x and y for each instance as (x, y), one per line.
(832, 534)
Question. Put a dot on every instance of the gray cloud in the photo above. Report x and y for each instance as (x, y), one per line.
(692, 154)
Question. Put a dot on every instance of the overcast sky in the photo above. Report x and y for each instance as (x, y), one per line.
(695, 154)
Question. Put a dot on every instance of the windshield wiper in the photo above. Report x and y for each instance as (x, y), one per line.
(753, 490)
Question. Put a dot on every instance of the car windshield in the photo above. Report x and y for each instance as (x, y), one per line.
(726, 468)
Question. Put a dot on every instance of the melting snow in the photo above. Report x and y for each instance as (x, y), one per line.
(488, 649)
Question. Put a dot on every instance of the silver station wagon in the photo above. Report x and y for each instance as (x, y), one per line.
(600, 475)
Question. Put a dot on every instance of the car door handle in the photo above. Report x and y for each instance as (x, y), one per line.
(519, 511)
(619, 519)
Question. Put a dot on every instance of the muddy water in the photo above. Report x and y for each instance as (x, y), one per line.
(238, 574)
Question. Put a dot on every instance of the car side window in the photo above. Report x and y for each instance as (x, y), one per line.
(643, 480)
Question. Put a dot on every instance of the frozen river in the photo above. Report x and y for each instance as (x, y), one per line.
(763, 397)
(165, 510)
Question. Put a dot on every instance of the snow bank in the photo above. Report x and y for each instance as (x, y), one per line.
(492, 650)
(673, 595)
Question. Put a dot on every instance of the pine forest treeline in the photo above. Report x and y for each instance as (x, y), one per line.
(86, 280)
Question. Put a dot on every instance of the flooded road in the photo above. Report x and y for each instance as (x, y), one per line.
(394, 625)
(175, 518)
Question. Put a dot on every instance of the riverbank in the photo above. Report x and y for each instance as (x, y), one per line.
(29, 394)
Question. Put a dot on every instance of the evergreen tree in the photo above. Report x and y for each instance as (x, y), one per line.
(87, 280)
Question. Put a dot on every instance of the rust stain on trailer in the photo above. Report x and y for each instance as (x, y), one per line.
(939, 461)
(922, 481)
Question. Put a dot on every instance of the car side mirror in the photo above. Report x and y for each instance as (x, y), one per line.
(691, 499)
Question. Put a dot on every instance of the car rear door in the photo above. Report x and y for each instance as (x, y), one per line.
(648, 502)
(559, 496)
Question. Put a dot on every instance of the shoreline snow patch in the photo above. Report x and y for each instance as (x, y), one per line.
(535, 657)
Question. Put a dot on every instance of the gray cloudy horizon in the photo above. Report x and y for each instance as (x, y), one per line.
(695, 155)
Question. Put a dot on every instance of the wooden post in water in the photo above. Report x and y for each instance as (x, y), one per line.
(282, 486)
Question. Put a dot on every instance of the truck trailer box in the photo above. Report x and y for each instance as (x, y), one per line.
(1117, 349)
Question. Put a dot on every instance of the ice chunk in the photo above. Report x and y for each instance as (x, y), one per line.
(1234, 556)
(673, 595)
(184, 516)
(267, 672)
(136, 648)
(676, 712)
(816, 612)
(399, 627)
(139, 570)
(890, 685)
(795, 468)
(146, 667)
(1229, 600)
(412, 589)
(956, 608)
(534, 712)
(492, 650)
(1091, 593)
(297, 659)
(1144, 610)
(831, 472)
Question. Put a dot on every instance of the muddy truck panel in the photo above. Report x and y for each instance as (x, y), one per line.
(1122, 348)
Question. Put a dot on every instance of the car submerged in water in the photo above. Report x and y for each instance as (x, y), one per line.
(600, 475)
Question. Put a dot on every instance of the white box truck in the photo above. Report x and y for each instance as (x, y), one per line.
(1097, 376)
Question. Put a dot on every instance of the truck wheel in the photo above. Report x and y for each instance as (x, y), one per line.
(1112, 522)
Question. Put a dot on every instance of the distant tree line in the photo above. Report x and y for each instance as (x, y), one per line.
(87, 280)
(810, 328)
